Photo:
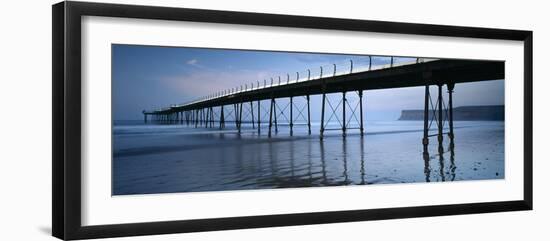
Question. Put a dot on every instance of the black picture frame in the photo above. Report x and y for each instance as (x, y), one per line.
(66, 127)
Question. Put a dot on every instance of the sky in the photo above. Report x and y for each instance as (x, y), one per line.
(150, 77)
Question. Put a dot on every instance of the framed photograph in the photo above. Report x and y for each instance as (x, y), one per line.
(170, 120)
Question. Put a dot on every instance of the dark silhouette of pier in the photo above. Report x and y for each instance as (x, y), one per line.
(212, 111)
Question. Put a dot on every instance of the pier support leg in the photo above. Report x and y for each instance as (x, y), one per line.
(240, 116)
(271, 116)
(275, 116)
(212, 120)
(450, 89)
(252, 114)
(291, 116)
(344, 114)
(361, 112)
(201, 117)
(322, 116)
(222, 117)
(196, 118)
(145, 118)
(440, 118)
(425, 139)
(259, 116)
(206, 117)
(187, 117)
(236, 110)
(308, 117)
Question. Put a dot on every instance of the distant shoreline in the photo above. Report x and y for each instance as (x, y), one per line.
(462, 113)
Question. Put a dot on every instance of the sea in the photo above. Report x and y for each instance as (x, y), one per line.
(155, 158)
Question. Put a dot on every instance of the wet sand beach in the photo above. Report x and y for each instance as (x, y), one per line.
(177, 158)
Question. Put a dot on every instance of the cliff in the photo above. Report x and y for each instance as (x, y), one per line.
(471, 113)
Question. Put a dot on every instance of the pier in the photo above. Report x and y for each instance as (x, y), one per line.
(227, 106)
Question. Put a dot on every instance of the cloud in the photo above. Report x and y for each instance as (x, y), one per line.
(194, 63)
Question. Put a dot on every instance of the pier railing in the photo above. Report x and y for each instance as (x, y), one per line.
(351, 66)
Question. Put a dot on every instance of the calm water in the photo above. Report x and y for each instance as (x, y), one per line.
(177, 158)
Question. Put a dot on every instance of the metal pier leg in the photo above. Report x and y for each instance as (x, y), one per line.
(271, 116)
(200, 116)
(344, 114)
(275, 116)
(450, 89)
(252, 113)
(291, 116)
(323, 89)
(212, 120)
(361, 112)
(209, 117)
(222, 117)
(440, 118)
(425, 140)
(196, 118)
(236, 110)
(240, 116)
(206, 117)
(308, 117)
(145, 118)
(323, 116)
(259, 116)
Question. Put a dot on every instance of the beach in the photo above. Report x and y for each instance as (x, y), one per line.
(179, 158)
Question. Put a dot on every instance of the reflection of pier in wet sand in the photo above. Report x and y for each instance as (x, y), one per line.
(336, 170)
